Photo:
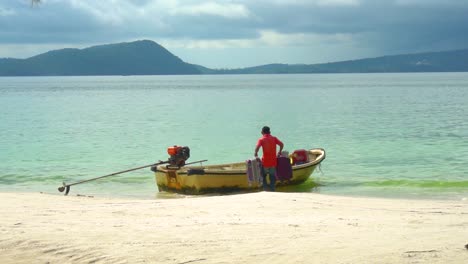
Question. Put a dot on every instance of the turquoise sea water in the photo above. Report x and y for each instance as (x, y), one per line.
(390, 135)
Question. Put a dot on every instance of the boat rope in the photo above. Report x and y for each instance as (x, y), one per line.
(320, 168)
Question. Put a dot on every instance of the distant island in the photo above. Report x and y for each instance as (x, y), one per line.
(146, 57)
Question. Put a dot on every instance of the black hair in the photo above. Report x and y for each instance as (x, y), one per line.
(265, 130)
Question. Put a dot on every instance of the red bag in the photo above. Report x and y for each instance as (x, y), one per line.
(300, 156)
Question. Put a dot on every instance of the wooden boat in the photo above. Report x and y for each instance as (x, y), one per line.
(231, 177)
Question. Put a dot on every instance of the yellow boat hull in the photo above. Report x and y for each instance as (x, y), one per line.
(226, 177)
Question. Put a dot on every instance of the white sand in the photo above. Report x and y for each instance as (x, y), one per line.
(248, 228)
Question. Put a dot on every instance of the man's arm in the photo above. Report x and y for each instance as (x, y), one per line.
(281, 147)
(256, 150)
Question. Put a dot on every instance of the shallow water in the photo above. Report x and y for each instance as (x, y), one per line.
(386, 135)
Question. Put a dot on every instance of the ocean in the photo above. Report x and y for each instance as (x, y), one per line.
(385, 135)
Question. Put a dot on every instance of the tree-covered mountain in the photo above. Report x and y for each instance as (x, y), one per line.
(149, 58)
(135, 58)
(448, 61)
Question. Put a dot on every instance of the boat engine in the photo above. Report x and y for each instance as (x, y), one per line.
(177, 156)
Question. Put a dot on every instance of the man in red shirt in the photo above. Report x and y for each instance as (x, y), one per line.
(268, 144)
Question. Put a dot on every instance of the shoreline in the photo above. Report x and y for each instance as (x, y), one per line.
(261, 227)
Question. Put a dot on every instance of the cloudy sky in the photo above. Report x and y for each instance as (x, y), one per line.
(239, 33)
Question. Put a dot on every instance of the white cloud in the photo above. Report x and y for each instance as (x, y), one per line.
(108, 12)
(155, 12)
(227, 10)
(272, 38)
(266, 38)
(338, 2)
(318, 2)
(6, 12)
(431, 2)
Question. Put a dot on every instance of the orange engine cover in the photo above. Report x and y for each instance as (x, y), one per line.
(173, 150)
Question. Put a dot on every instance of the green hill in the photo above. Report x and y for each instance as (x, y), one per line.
(149, 58)
(135, 58)
(448, 61)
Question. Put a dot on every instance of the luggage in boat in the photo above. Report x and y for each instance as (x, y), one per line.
(285, 153)
(300, 156)
(283, 168)
(254, 171)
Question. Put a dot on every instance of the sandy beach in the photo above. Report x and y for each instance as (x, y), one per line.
(246, 228)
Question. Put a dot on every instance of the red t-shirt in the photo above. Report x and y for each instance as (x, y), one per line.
(268, 144)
